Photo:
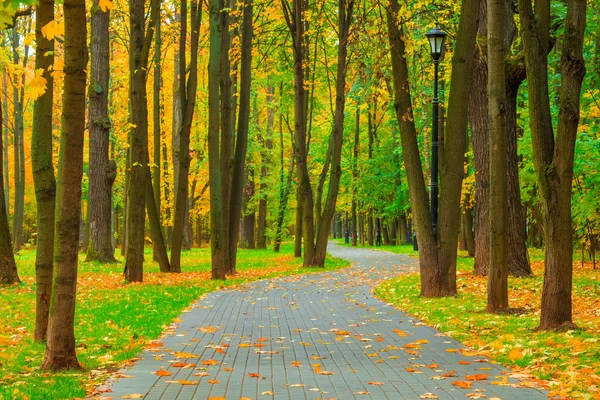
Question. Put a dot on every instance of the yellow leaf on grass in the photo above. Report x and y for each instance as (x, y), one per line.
(515, 354)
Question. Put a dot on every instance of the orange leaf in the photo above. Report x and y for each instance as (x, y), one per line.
(183, 365)
(253, 375)
(409, 369)
(375, 383)
(209, 362)
(462, 385)
(433, 366)
(184, 382)
(477, 377)
(462, 362)
(448, 374)
(214, 381)
(162, 372)
(295, 364)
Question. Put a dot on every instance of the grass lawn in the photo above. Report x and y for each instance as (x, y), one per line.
(569, 361)
(113, 319)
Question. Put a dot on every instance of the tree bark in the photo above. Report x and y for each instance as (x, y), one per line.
(102, 171)
(60, 344)
(248, 219)
(497, 299)
(43, 172)
(157, 125)
(217, 241)
(553, 157)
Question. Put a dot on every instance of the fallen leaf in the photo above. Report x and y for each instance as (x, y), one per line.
(428, 396)
(162, 372)
(462, 384)
(133, 396)
(477, 377)
(214, 381)
(253, 375)
(449, 374)
(209, 362)
(295, 364)
(184, 382)
(375, 383)
(462, 362)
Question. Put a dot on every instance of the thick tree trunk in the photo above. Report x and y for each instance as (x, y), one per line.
(158, 240)
(60, 344)
(554, 156)
(284, 192)
(5, 147)
(102, 171)
(8, 267)
(43, 173)
(241, 147)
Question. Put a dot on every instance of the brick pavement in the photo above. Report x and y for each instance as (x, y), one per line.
(317, 336)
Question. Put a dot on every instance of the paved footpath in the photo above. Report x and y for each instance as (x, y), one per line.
(308, 337)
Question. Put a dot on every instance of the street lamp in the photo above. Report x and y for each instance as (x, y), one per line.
(436, 38)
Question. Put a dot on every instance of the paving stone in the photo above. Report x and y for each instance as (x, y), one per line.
(299, 319)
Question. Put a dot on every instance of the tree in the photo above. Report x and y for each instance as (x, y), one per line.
(60, 344)
(438, 252)
(139, 170)
(102, 171)
(498, 269)
(188, 100)
(43, 171)
(218, 244)
(553, 157)
(241, 145)
(8, 267)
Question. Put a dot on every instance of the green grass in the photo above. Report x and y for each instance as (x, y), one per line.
(570, 359)
(114, 319)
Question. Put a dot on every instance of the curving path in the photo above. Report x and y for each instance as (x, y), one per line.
(309, 337)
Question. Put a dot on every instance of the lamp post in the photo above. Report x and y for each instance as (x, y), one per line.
(436, 38)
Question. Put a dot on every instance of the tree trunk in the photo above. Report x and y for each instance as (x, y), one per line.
(227, 130)
(188, 100)
(295, 19)
(102, 171)
(261, 237)
(241, 147)
(437, 255)
(248, 219)
(60, 344)
(138, 63)
(344, 19)
(8, 267)
(554, 156)
(217, 241)
(284, 192)
(157, 125)
(5, 147)
(497, 299)
(355, 151)
(43, 172)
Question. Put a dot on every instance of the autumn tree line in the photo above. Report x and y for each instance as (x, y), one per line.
(248, 123)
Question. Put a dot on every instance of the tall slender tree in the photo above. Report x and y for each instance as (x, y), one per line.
(498, 269)
(553, 156)
(139, 170)
(188, 101)
(60, 343)
(438, 252)
(43, 171)
(102, 171)
(8, 267)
